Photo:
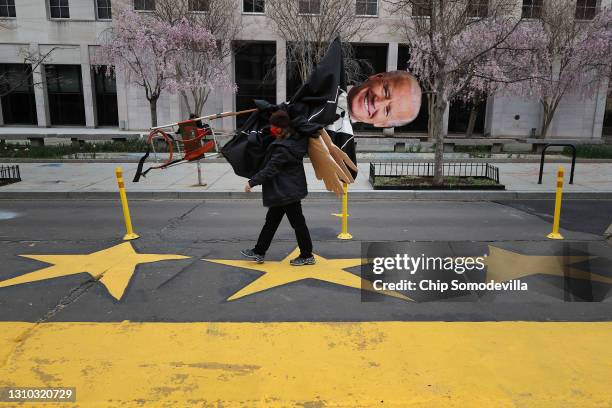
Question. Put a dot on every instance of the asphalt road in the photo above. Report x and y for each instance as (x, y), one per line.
(591, 216)
(198, 289)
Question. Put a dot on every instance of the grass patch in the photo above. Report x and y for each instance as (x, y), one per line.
(12, 150)
(421, 181)
(590, 151)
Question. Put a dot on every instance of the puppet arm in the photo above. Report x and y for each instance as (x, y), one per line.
(325, 166)
(340, 157)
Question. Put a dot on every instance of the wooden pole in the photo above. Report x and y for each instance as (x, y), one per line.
(210, 117)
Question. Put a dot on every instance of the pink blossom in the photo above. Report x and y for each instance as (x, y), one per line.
(154, 54)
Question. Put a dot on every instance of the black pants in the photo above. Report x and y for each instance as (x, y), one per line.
(297, 221)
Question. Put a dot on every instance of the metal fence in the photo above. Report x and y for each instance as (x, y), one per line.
(426, 169)
(9, 174)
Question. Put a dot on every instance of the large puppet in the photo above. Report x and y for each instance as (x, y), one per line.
(314, 107)
(321, 110)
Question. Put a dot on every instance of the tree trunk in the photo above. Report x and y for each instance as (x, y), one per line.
(430, 111)
(438, 134)
(472, 120)
(153, 107)
(545, 125)
(547, 117)
(200, 100)
(186, 101)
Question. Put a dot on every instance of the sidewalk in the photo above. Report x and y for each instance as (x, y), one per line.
(97, 180)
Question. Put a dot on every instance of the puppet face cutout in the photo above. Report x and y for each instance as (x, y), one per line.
(386, 99)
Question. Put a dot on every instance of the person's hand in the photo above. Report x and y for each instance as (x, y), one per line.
(247, 188)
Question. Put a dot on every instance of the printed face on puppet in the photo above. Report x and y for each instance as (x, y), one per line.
(385, 100)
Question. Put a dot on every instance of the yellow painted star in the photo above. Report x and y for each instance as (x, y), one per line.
(113, 267)
(281, 273)
(503, 266)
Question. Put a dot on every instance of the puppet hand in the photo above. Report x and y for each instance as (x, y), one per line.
(340, 157)
(325, 167)
(247, 188)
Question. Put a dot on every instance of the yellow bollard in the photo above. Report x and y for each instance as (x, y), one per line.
(555, 232)
(124, 204)
(345, 234)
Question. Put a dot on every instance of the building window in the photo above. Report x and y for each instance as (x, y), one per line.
(65, 94)
(253, 6)
(59, 9)
(421, 8)
(254, 63)
(367, 8)
(144, 5)
(586, 9)
(7, 8)
(309, 6)
(106, 96)
(532, 9)
(104, 9)
(478, 8)
(199, 5)
(18, 101)
(607, 122)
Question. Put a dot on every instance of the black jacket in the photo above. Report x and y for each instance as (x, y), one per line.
(282, 178)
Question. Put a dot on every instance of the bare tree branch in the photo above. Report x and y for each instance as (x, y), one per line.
(11, 81)
(309, 32)
(222, 20)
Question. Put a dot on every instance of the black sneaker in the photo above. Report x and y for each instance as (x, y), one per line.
(299, 261)
(252, 255)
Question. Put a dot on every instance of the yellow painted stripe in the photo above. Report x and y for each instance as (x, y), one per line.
(390, 364)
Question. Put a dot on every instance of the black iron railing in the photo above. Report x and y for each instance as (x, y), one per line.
(426, 169)
(9, 174)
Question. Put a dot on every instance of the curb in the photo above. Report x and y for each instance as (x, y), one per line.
(315, 195)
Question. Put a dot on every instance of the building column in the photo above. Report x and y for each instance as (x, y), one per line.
(600, 109)
(122, 100)
(392, 54)
(228, 95)
(89, 99)
(40, 92)
(1, 115)
(281, 71)
(490, 107)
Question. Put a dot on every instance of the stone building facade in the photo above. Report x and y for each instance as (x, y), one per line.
(68, 92)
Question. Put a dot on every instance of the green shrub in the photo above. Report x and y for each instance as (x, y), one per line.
(591, 151)
(472, 149)
(58, 151)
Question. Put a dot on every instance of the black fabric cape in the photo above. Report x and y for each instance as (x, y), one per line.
(313, 107)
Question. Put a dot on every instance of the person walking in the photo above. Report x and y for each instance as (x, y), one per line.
(284, 185)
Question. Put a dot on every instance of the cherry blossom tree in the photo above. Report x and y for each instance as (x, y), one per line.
(223, 20)
(568, 57)
(151, 53)
(453, 45)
